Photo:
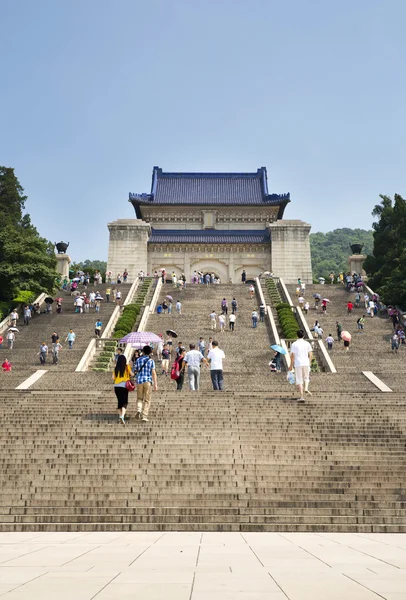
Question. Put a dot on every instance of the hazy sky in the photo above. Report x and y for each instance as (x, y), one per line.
(94, 93)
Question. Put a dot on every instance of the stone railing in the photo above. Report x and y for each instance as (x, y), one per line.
(148, 310)
(318, 345)
(270, 318)
(5, 323)
(96, 343)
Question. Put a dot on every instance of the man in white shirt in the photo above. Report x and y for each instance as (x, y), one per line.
(216, 357)
(193, 359)
(232, 319)
(13, 318)
(301, 357)
(213, 317)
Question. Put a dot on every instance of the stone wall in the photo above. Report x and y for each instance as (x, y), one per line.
(226, 261)
(291, 250)
(128, 246)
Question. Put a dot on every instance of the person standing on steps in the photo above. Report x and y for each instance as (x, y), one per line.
(108, 292)
(254, 319)
(192, 362)
(70, 338)
(146, 379)
(251, 290)
(179, 307)
(27, 315)
(301, 355)
(121, 374)
(329, 341)
(180, 357)
(209, 345)
(232, 319)
(202, 346)
(216, 357)
(262, 312)
(13, 318)
(222, 323)
(165, 360)
(118, 297)
(234, 306)
(10, 339)
(339, 329)
(243, 276)
(43, 353)
(361, 324)
(55, 352)
(224, 306)
(213, 317)
(97, 328)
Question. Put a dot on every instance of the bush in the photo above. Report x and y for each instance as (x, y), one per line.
(24, 297)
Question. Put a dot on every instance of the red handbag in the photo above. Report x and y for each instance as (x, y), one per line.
(129, 385)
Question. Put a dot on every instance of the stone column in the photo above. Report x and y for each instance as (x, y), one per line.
(355, 263)
(62, 265)
(128, 247)
(290, 250)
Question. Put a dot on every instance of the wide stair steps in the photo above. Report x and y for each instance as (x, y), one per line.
(370, 350)
(24, 356)
(206, 461)
(247, 459)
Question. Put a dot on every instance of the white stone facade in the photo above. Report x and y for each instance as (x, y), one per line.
(287, 256)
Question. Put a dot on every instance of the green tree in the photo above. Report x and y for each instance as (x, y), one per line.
(386, 266)
(330, 251)
(27, 261)
(90, 266)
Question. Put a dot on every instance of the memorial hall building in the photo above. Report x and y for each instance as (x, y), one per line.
(218, 223)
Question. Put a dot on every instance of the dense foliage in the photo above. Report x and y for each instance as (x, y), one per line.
(386, 266)
(330, 251)
(90, 266)
(27, 261)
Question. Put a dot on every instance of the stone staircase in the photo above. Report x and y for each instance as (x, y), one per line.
(247, 459)
(369, 351)
(205, 461)
(24, 356)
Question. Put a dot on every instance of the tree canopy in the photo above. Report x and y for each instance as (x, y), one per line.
(27, 261)
(330, 251)
(386, 266)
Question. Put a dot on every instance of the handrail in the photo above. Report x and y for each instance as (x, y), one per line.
(112, 322)
(87, 356)
(272, 323)
(5, 323)
(324, 355)
(130, 295)
(155, 297)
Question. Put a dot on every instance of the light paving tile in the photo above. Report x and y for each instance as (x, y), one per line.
(235, 582)
(157, 576)
(383, 586)
(50, 556)
(19, 575)
(226, 595)
(62, 588)
(147, 591)
(323, 585)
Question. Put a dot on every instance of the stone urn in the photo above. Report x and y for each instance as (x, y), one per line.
(356, 248)
(61, 247)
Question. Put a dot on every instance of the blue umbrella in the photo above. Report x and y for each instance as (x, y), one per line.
(279, 349)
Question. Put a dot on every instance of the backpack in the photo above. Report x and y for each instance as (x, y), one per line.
(234, 303)
(175, 371)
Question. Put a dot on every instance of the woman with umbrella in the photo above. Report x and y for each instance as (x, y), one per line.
(275, 363)
(48, 303)
(346, 336)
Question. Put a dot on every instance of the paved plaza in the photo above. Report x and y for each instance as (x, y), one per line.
(201, 566)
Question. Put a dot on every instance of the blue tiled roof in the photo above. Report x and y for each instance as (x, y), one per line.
(201, 236)
(245, 189)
